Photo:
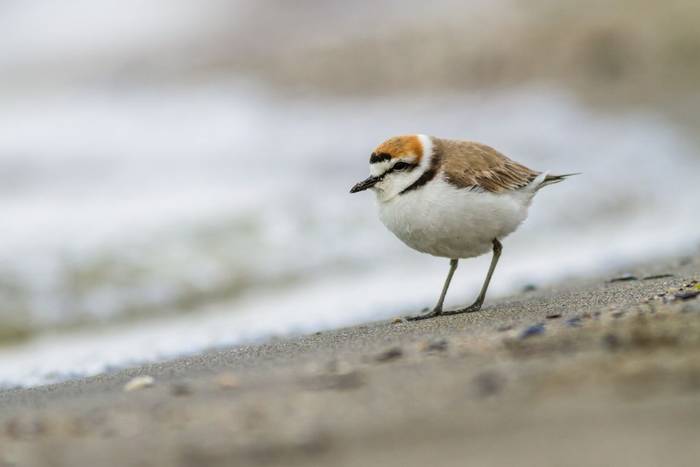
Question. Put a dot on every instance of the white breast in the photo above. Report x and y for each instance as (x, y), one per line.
(442, 220)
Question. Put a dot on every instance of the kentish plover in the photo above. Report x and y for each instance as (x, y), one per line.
(453, 199)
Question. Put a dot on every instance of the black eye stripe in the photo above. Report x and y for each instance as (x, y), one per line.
(402, 165)
(398, 167)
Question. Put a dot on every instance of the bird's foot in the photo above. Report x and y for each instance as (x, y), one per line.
(470, 309)
(426, 315)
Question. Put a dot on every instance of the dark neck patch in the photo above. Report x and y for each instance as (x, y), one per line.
(381, 157)
(429, 174)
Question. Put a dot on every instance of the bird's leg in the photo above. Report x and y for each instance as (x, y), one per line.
(448, 279)
(437, 311)
(476, 306)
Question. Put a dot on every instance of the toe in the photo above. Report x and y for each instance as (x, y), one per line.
(469, 309)
(428, 315)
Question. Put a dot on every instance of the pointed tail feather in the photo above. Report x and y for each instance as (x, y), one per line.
(554, 179)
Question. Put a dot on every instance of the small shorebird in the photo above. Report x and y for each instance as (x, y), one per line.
(452, 199)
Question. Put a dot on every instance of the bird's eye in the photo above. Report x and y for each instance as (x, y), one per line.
(401, 166)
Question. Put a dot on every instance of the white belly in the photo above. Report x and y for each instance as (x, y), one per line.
(445, 221)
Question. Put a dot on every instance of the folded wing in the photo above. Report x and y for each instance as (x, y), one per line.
(476, 166)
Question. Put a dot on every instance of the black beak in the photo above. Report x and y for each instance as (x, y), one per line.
(365, 184)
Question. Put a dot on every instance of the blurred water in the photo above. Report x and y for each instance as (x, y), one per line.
(232, 205)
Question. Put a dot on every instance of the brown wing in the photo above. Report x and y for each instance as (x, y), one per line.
(476, 166)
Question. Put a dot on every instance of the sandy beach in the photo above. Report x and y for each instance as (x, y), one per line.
(602, 371)
(186, 281)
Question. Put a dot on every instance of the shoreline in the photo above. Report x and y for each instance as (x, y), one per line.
(612, 364)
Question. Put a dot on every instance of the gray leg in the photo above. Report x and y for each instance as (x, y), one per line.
(437, 311)
(476, 306)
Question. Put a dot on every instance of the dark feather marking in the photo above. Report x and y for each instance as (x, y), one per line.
(381, 157)
(428, 174)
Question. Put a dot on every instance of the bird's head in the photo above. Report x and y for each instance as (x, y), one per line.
(396, 165)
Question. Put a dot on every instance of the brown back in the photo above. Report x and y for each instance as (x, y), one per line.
(467, 164)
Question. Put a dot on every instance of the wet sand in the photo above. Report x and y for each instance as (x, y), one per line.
(590, 372)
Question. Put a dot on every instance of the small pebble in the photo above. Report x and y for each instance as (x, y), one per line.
(505, 327)
(390, 354)
(140, 382)
(618, 314)
(39, 427)
(687, 294)
(554, 316)
(180, 389)
(624, 278)
(534, 330)
(611, 342)
(227, 381)
(489, 383)
(529, 288)
(436, 345)
(12, 428)
(76, 426)
(398, 320)
(658, 276)
(336, 382)
(574, 322)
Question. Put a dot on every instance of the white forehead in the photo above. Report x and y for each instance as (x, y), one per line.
(379, 168)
